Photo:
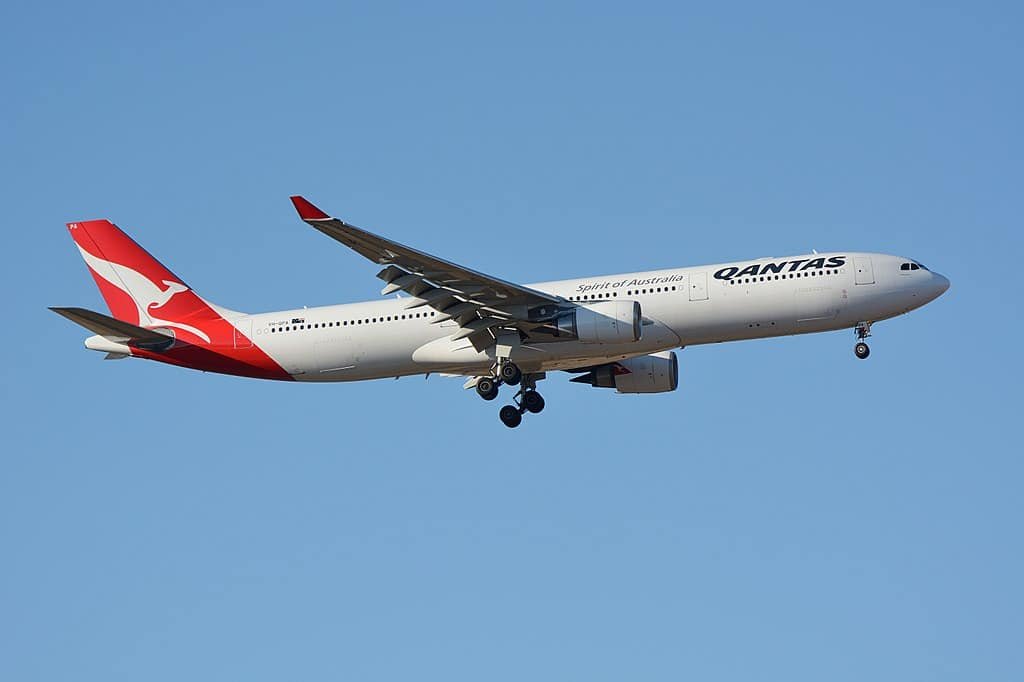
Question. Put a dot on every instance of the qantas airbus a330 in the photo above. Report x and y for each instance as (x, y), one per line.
(613, 331)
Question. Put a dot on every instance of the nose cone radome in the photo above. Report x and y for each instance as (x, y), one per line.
(938, 285)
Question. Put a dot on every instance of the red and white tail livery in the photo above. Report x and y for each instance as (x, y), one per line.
(141, 291)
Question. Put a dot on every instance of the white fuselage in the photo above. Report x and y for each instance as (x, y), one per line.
(680, 307)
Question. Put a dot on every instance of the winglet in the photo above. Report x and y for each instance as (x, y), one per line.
(308, 211)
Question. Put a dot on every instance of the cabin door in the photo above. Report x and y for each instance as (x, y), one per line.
(864, 273)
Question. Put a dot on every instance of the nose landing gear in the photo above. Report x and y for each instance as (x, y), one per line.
(863, 331)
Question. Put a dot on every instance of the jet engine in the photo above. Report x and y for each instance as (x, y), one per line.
(655, 373)
(602, 322)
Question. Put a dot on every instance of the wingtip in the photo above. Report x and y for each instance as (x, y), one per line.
(307, 211)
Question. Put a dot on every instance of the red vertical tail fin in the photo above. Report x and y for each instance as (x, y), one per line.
(138, 289)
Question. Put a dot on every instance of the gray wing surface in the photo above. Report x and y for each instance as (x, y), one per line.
(480, 304)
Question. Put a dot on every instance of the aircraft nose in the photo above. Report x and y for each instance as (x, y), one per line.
(939, 285)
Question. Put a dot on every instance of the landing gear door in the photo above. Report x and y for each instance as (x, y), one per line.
(864, 273)
(243, 334)
(699, 286)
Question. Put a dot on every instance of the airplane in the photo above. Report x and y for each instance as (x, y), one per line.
(611, 331)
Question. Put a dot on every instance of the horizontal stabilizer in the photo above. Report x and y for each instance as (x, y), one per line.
(103, 325)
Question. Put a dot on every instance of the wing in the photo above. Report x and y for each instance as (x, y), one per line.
(480, 304)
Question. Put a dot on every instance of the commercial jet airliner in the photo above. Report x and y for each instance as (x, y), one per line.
(612, 331)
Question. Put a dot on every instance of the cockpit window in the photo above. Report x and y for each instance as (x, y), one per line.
(912, 266)
(904, 266)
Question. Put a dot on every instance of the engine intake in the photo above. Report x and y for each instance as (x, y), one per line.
(602, 322)
(655, 373)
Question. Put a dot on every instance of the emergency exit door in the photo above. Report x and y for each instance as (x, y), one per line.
(699, 286)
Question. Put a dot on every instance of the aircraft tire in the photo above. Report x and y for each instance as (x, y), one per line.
(510, 373)
(510, 416)
(533, 402)
(486, 388)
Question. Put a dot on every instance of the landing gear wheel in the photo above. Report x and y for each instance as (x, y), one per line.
(533, 402)
(487, 388)
(510, 416)
(861, 350)
(510, 374)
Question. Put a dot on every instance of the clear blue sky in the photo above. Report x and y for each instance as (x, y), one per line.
(791, 513)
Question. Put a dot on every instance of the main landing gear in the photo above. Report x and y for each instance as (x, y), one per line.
(863, 331)
(527, 399)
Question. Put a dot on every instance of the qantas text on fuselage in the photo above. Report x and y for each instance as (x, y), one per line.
(616, 331)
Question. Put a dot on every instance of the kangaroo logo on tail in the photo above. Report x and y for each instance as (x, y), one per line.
(144, 293)
(166, 295)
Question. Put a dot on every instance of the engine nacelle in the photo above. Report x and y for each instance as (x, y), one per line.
(602, 322)
(655, 373)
